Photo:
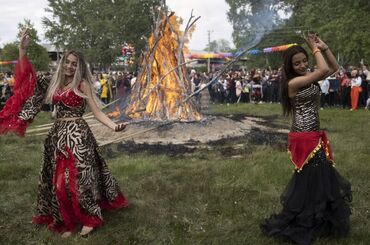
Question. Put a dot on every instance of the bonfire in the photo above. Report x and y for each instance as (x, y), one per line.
(162, 87)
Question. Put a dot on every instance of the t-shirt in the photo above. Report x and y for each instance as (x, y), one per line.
(324, 86)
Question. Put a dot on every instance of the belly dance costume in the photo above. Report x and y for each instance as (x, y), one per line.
(316, 200)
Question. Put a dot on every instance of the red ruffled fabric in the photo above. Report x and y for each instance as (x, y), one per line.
(119, 202)
(69, 206)
(25, 80)
(42, 220)
(303, 145)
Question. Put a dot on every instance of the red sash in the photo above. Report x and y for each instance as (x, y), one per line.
(302, 146)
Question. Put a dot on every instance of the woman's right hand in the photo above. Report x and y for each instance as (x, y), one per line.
(120, 126)
(311, 41)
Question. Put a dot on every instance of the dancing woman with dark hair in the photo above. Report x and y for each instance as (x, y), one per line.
(75, 183)
(316, 200)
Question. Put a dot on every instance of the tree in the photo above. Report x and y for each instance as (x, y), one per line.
(220, 45)
(251, 19)
(342, 24)
(345, 27)
(9, 52)
(98, 28)
(37, 54)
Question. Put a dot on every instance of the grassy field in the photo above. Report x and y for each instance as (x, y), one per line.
(212, 195)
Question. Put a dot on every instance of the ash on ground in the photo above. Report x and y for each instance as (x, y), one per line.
(176, 138)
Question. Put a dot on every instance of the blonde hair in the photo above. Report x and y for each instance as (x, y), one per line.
(82, 74)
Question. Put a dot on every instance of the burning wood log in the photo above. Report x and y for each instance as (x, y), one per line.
(162, 82)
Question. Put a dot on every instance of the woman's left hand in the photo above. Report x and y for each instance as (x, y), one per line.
(24, 42)
(25, 39)
(120, 127)
(320, 44)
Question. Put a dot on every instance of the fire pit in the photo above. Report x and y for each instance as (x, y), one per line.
(206, 131)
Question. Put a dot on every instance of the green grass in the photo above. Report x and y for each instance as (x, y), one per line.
(205, 197)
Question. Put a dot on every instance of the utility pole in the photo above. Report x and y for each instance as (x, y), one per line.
(209, 51)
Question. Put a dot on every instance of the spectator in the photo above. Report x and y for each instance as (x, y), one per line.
(324, 87)
(345, 89)
(365, 70)
(355, 88)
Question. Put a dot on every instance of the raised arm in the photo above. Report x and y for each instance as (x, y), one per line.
(99, 115)
(11, 116)
(310, 77)
(23, 43)
(328, 55)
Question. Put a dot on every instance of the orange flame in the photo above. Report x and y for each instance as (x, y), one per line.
(162, 84)
(115, 113)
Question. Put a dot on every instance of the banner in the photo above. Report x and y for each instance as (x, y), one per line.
(230, 55)
(13, 62)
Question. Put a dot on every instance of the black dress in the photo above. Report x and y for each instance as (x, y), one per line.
(316, 200)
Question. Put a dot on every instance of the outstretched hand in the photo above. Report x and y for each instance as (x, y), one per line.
(120, 127)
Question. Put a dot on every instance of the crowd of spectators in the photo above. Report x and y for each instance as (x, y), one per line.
(6, 87)
(347, 88)
(113, 85)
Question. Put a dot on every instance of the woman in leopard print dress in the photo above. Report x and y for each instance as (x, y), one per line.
(75, 183)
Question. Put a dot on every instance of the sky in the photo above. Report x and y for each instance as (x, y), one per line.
(212, 12)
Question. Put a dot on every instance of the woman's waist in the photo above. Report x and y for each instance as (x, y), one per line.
(69, 118)
(308, 130)
(305, 126)
(69, 113)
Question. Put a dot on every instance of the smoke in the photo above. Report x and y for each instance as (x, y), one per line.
(254, 21)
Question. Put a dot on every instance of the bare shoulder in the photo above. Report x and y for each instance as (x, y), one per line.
(295, 84)
(84, 86)
(302, 81)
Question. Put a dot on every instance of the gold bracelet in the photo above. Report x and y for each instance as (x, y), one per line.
(315, 51)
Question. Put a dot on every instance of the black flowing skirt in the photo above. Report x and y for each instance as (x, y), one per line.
(315, 204)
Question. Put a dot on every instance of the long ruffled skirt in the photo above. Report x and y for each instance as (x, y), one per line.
(75, 183)
(315, 204)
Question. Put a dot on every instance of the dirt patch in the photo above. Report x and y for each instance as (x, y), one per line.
(208, 130)
(233, 136)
